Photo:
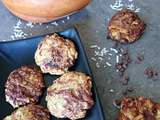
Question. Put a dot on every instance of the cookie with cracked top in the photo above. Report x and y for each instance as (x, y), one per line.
(125, 26)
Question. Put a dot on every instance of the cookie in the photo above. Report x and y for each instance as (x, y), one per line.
(24, 85)
(125, 26)
(55, 54)
(139, 108)
(29, 112)
(70, 96)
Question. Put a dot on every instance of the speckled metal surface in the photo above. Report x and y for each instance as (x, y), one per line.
(91, 24)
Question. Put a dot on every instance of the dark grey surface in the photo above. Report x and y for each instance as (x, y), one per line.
(91, 23)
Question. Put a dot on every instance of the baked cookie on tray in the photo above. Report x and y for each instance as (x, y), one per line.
(55, 54)
(24, 85)
(139, 108)
(70, 96)
(29, 112)
(125, 26)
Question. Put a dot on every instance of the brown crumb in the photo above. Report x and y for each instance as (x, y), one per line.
(124, 62)
(127, 91)
(151, 73)
(115, 45)
(125, 80)
(139, 59)
(130, 89)
(117, 103)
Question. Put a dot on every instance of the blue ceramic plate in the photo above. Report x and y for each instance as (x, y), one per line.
(21, 52)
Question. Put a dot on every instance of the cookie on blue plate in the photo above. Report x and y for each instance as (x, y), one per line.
(55, 54)
(23, 86)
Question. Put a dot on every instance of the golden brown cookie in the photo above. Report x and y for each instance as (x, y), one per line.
(70, 96)
(139, 108)
(29, 112)
(24, 85)
(55, 54)
(125, 26)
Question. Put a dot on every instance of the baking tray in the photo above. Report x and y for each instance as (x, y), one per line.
(21, 52)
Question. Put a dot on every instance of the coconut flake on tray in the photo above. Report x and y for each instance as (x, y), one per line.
(121, 4)
(20, 26)
(105, 57)
(18, 31)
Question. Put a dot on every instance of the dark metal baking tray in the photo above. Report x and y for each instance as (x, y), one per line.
(21, 52)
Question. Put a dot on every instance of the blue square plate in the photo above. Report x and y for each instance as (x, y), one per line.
(21, 52)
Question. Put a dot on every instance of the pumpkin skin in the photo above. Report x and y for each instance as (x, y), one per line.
(41, 11)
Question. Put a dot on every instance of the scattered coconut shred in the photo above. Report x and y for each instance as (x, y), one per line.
(104, 57)
(19, 32)
(120, 4)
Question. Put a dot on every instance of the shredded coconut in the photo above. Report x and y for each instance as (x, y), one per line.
(132, 7)
(104, 57)
(92, 58)
(30, 24)
(68, 17)
(54, 23)
(108, 64)
(94, 46)
(63, 21)
(97, 65)
(100, 58)
(17, 31)
(110, 54)
(117, 59)
(111, 90)
(114, 50)
(19, 28)
(120, 4)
